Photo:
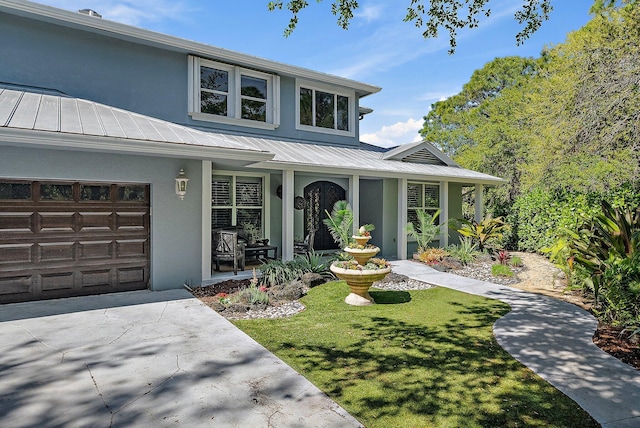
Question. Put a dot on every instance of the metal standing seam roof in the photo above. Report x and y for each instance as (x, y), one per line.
(365, 162)
(54, 112)
(50, 112)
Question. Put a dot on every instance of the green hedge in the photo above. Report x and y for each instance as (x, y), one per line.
(537, 217)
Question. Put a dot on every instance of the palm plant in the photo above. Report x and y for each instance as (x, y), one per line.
(425, 230)
(340, 223)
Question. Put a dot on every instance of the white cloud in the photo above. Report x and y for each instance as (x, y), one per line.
(396, 134)
(437, 96)
(369, 12)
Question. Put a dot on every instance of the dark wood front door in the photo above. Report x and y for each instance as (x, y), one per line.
(321, 196)
(61, 239)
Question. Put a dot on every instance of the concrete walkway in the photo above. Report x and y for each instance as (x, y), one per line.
(146, 359)
(554, 339)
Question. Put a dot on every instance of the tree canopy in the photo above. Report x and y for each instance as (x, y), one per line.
(566, 121)
(433, 16)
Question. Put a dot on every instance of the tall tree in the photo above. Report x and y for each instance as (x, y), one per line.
(432, 16)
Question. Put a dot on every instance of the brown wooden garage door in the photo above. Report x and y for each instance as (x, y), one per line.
(61, 239)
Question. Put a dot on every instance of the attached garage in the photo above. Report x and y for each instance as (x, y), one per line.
(62, 239)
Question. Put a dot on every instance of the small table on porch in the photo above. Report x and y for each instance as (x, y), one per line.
(261, 252)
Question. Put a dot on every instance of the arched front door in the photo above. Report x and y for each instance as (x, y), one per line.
(320, 196)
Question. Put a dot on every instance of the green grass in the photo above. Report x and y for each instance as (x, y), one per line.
(415, 359)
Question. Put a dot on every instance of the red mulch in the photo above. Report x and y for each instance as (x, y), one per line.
(618, 344)
(609, 339)
(230, 286)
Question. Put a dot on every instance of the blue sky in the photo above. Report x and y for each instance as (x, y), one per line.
(379, 48)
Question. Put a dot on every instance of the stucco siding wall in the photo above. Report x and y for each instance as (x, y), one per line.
(144, 79)
(175, 225)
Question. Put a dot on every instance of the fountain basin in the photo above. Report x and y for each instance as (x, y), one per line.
(359, 281)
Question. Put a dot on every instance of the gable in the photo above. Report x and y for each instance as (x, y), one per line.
(421, 152)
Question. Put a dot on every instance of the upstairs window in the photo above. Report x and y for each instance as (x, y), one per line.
(229, 94)
(323, 109)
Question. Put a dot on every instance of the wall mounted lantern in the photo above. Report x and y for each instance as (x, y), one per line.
(181, 184)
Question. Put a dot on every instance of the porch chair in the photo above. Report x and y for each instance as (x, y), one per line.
(227, 248)
(305, 247)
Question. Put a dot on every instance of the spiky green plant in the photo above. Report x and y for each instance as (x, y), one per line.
(340, 223)
(425, 230)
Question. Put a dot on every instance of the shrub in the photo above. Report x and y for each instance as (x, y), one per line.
(488, 233)
(432, 255)
(606, 252)
(426, 229)
(501, 270)
(340, 223)
(516, 261)
(466, 252)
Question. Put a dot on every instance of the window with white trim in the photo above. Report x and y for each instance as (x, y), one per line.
(236, 200)
(422, 197)
(325, 109)
(230, 94)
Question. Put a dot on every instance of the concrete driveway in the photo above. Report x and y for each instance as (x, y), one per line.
(146, 359)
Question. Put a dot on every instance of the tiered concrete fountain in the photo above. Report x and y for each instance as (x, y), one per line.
(356, 275)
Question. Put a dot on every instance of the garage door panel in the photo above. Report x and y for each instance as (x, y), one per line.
(16, 285)
(131, 221)
(12, 254)
(16, 222)
(95, 222)
(93, 278)
(131, 275)
(56, 281)
(56, 252)
(56, 222)
(71, 239)
(132, 247)
(96, 250)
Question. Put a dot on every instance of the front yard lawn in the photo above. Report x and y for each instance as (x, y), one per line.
(415, 359)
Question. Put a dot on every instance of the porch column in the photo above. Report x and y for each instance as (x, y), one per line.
(444, 213)
(287, 214)
(479, 203)
(354, 199)
(206, 220)
(402, 218)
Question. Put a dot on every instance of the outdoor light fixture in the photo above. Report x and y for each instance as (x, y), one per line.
(181, 184)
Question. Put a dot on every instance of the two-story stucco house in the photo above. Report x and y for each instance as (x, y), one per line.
(98, 118)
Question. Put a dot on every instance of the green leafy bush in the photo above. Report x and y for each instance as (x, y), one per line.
(606, 254)
(486, 234)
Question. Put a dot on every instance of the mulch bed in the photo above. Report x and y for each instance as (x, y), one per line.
(609, 339)
(618, 344)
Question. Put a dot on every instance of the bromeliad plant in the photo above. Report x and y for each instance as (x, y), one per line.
(606, 252)
(374, 263)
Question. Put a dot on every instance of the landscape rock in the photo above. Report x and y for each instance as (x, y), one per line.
(312, 279)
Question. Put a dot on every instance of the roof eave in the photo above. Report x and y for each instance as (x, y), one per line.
(363, 172)
(104, 144)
